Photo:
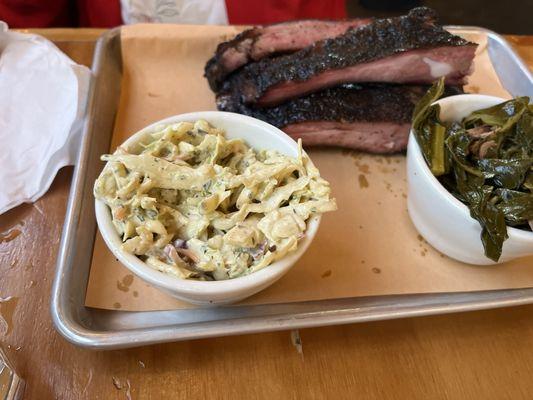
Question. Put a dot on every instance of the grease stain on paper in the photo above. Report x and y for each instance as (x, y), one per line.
(363, 168)
(363, 182)
(125, 283)
(385, 170)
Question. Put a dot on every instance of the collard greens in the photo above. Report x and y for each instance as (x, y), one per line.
(485, 161)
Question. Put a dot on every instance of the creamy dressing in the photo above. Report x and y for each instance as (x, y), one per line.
(193, 204)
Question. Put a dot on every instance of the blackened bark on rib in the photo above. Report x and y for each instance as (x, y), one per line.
(380, 39)
(350, 103)
(216, 69)
(266, 41)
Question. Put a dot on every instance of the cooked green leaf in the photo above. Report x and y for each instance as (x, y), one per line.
(509, 174)
(437, 151)
(516, 206)
(523, 138)
(434, 93)
(430, 133)
(502, 115)
(491, 219)
(458, 145)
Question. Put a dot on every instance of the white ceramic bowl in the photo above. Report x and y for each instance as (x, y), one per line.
(257, 134)
(440, 218)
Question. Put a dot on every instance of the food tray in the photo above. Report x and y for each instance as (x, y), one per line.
(103, 329)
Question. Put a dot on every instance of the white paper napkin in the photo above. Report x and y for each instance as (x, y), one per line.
(42, 101)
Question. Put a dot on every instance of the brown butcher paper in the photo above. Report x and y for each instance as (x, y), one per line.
(367, 248)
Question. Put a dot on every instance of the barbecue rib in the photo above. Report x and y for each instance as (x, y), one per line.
(370, 117)
(260, 42)
(410, 49)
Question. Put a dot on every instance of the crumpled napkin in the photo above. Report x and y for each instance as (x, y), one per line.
(43, 94)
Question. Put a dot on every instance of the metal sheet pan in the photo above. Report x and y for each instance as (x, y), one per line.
(102, 329)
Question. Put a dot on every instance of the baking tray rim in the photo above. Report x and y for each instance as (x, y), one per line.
(72, 327)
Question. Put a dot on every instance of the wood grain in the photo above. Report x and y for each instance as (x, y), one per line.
(477, 355)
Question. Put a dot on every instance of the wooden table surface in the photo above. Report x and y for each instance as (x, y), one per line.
(476, 355)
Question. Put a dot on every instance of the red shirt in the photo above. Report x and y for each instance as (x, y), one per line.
(106, 13)
(60, 13)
